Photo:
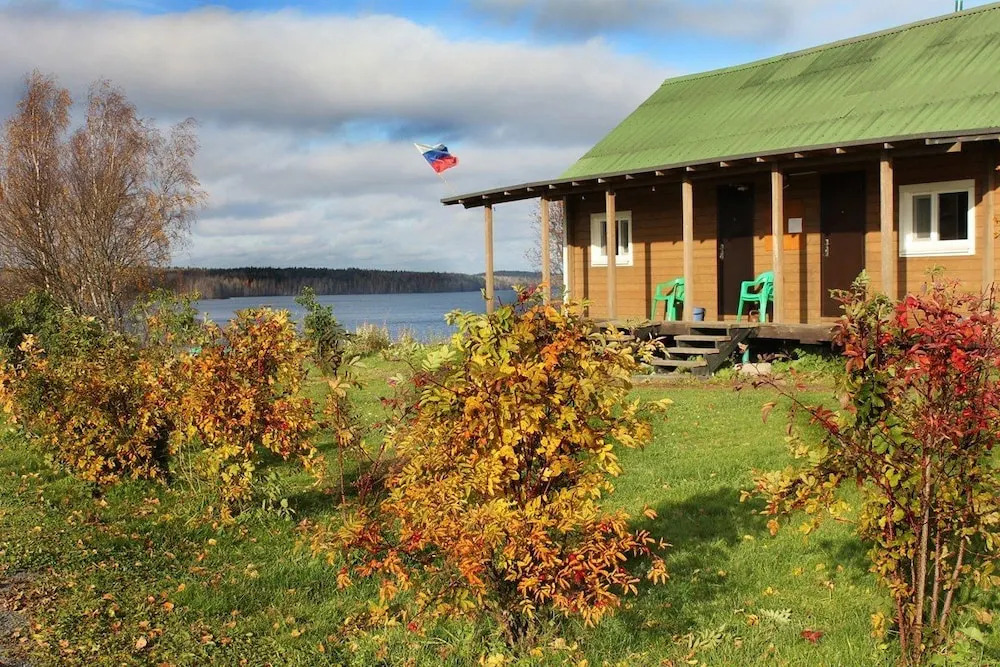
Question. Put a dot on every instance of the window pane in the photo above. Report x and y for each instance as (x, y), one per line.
(922, 216)
(604, 238)
(623, 240)
(953, 216)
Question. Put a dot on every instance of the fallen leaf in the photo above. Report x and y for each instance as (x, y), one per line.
(983, 616)
(812, 636)
(140, 643)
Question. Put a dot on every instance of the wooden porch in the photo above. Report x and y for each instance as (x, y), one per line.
(704, 347)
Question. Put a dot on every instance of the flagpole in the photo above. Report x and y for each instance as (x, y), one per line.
(451, 190)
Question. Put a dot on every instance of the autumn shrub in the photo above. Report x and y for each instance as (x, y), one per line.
(922, 401)
(240, 394)
(169, 321)
(494, 504)
(100, 411)
(324, 333)
(54, 327)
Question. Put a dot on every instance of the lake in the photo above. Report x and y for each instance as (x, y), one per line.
(422, 314)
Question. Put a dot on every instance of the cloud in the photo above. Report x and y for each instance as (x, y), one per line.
(780, 24)
(323, 73)
(371, 204)
(590, 18)
(307, 122)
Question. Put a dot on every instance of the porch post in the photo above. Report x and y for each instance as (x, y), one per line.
(989, 249)
(778, 237)
(612, 238)
(546, 269)
(687, 234)
(887, 217)
(488, 219)
(567, 265)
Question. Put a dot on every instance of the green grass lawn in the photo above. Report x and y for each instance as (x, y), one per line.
(142, 577)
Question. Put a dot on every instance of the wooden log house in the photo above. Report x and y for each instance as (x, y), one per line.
(876, 153)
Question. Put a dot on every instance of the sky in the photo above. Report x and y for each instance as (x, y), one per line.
(308, 111)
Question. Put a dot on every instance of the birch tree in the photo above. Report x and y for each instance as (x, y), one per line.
(88, 214)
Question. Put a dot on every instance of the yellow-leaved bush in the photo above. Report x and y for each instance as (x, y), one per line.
(101, 411)
(240, 394)
(495, 502)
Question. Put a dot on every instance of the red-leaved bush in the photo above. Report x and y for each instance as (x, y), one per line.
(917, 436)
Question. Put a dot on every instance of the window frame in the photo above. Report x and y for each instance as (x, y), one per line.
(910, 245)
(598, 255)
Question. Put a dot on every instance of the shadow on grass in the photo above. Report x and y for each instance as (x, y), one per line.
(703, 531)
(313, 503)
(850, 552)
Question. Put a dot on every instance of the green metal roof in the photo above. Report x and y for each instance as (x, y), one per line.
(923, 79)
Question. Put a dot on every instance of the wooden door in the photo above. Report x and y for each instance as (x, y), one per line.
(842, 235)
(735, 205)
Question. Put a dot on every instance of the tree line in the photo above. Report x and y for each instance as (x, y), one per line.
(270, 281)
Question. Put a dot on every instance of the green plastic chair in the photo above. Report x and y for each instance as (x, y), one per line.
(760, 290)
(669, 293)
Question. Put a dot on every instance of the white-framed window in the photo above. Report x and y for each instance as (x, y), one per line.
(937, 219)
(599, 239)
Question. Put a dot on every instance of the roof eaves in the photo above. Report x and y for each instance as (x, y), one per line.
(482, 197)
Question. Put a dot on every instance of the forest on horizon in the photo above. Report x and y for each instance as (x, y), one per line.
(269, 281)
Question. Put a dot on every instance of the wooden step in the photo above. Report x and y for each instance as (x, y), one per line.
(700, 338)
(678, 363)
(612, 338)
(692, 350)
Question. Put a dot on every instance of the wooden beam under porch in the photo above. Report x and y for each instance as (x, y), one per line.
(806, 334)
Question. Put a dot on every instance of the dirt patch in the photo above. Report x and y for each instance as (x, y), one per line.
(11, 619)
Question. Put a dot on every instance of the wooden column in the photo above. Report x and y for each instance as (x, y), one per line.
(778, 238)
(488, 219)
(687, 233)
(887, 217)
(546, 252)
(567, 267)
(990, 241)
(612, 237)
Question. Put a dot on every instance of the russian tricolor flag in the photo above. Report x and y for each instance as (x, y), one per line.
(437, 156)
